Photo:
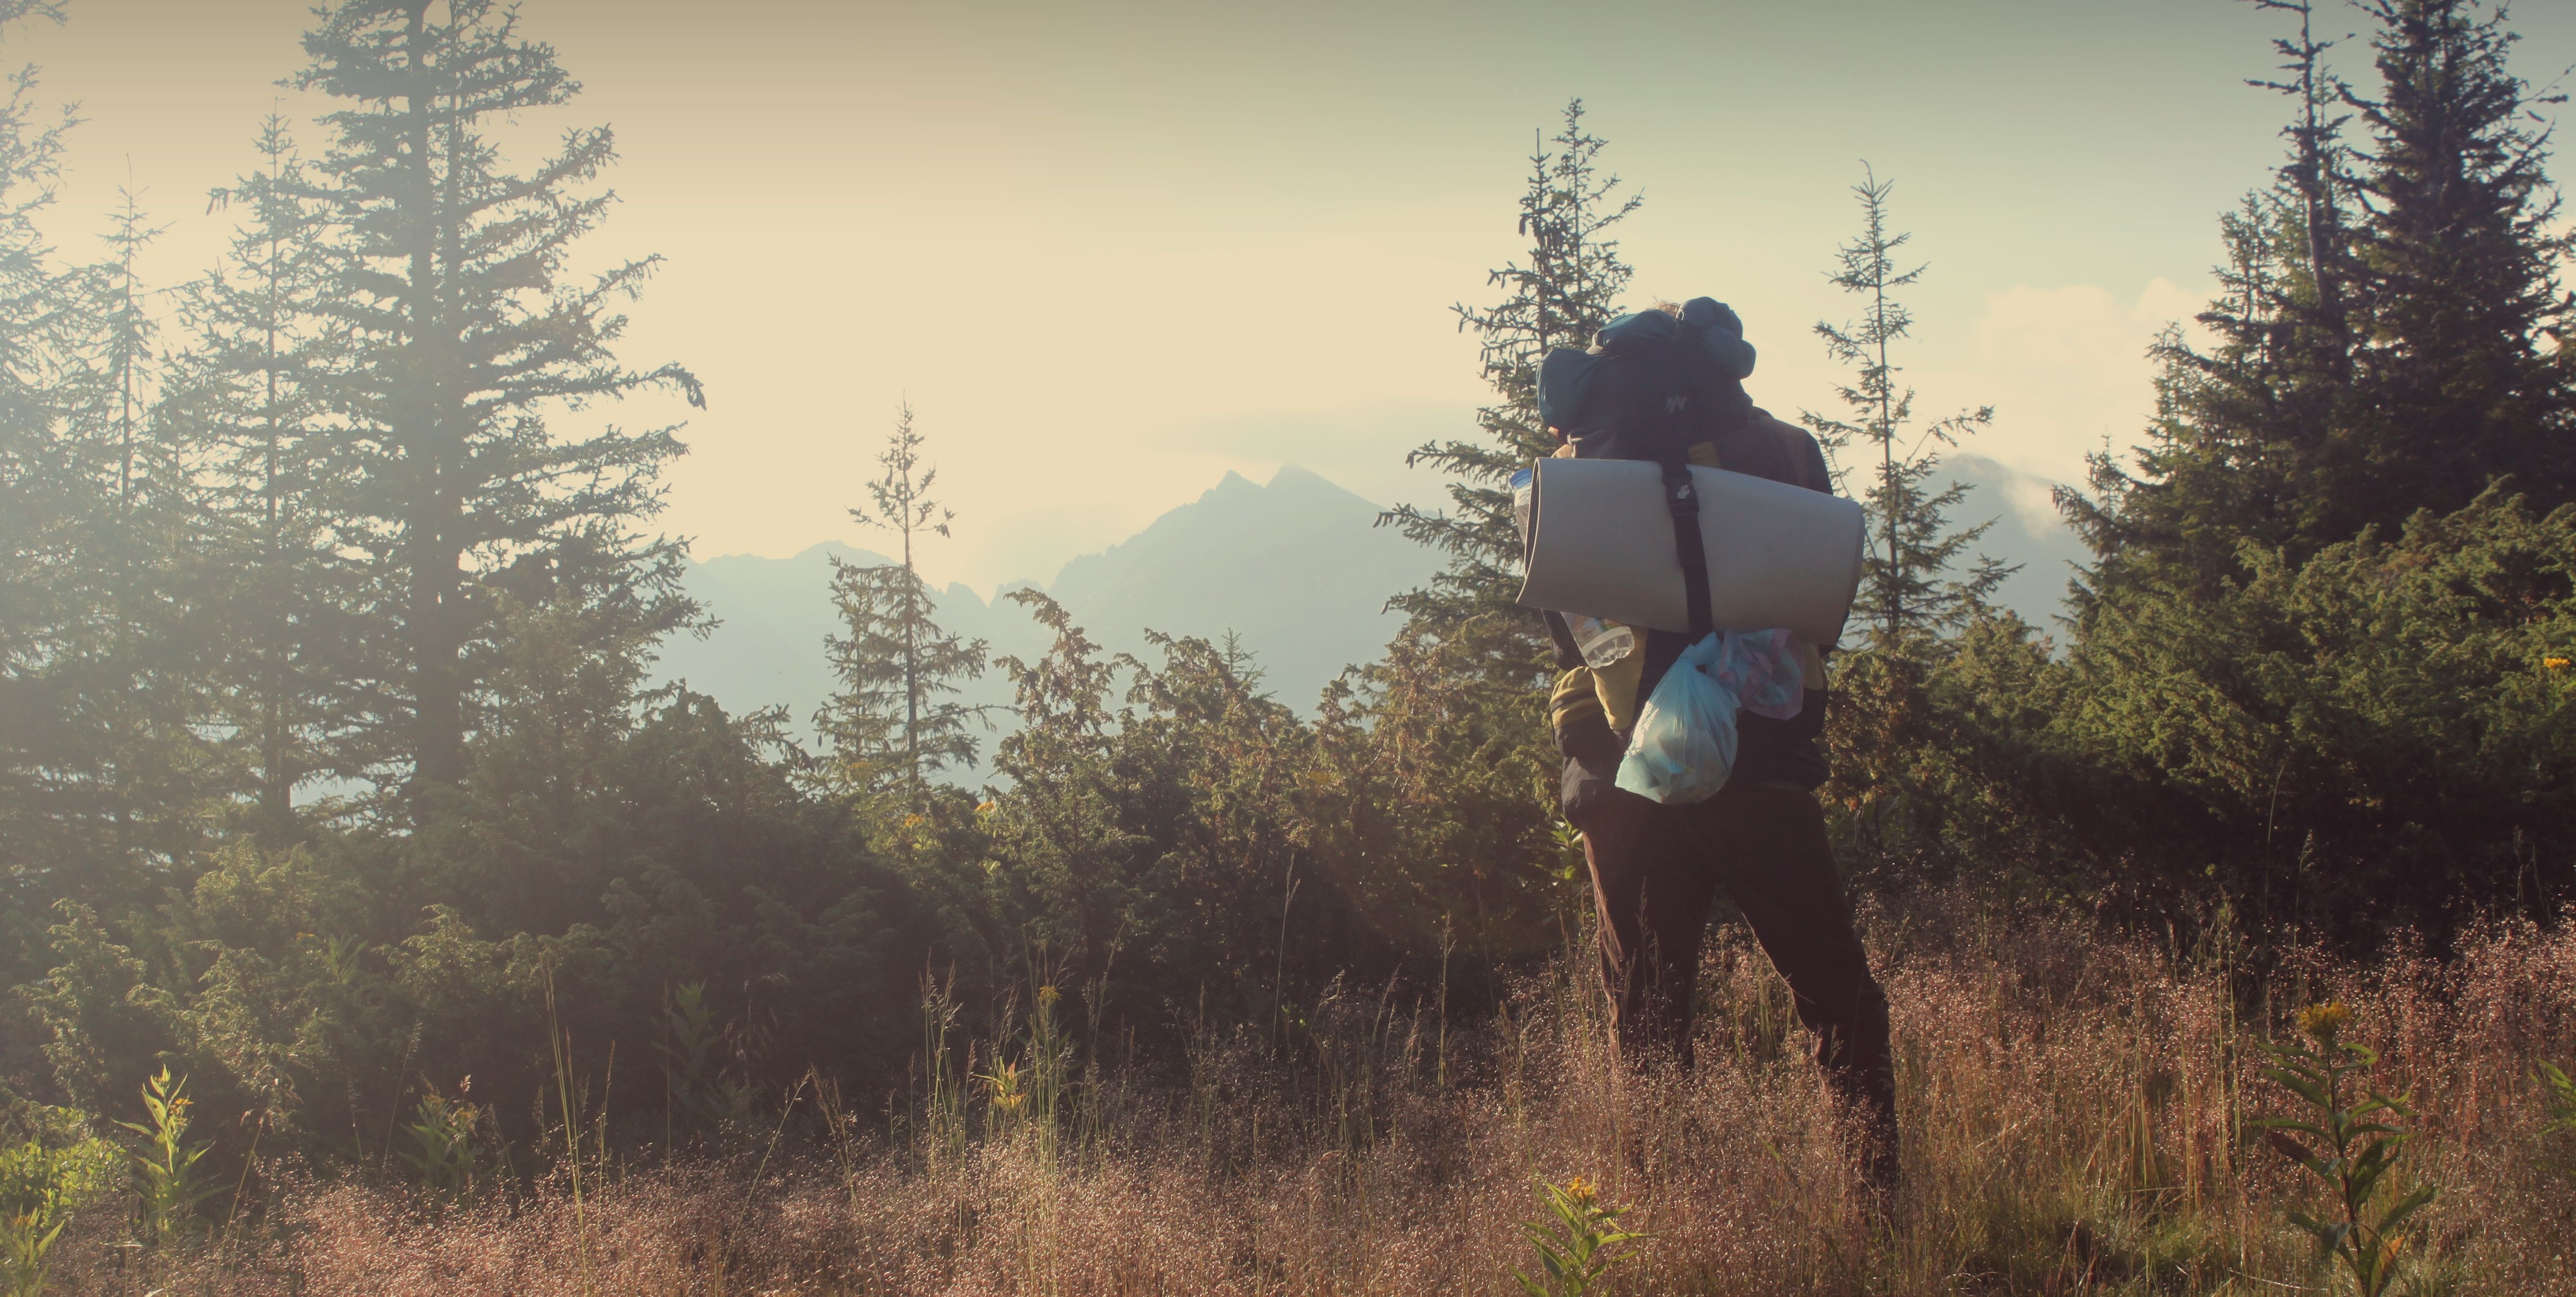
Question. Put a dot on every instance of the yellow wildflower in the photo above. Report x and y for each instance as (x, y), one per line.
(2553, 664)
(1580, 1187)
(2320, 1022)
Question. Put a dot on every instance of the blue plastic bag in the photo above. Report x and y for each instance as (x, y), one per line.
(1683, 748)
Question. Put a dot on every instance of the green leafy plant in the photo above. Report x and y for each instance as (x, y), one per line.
(1028, 1096)
(2353, 1143)
(444, 1151)
(340, 958)
(40, 1188)
(166, 1188)
(2558, 1090)
(695, 1084)
(1580, 1245)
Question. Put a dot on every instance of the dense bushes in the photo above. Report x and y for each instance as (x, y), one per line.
(2372, 738)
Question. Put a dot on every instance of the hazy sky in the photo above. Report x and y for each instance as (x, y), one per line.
(1110, 251)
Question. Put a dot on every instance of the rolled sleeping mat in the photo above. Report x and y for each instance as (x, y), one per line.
(1600, 544)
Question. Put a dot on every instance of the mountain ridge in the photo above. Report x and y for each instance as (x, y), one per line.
(1295, 568)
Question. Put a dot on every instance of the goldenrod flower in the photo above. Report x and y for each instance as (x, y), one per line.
(2320, 1022)
(2553, 664)
(1580, 1187)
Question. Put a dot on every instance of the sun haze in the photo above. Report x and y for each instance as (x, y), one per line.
(1110, 252)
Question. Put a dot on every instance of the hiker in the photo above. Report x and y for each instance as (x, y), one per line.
(1667, 385)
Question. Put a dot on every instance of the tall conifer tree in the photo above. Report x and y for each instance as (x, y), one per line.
(139, 648)
(2464, 244)
(280, 586)
(1559, 296)
(1907, 591)
(1444, 765)
(2386, 335)
(56, 796)
(896, 720)
(1890, 724)
(112, 403)
(448, 269)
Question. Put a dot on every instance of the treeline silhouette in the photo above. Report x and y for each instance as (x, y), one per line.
(331, 777)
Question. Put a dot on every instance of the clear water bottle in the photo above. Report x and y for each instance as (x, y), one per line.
(1603, 643)
(1524, 487)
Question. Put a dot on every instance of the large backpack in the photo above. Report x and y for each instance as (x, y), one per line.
(1651, 386)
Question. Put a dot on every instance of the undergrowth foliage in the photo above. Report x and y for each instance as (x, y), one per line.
(2083, 1114)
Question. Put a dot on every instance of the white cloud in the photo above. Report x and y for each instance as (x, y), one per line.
(2067, 371)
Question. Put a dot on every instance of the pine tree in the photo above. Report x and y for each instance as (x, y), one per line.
(1566, 290)
(1906, 592)
(2386, 344)
(2239, 427)
(449, 272)
(2318, 174)
(2378, 344)
(1892, 728)
(138, 644)
(896, 720)
(57, 806)
(1440, 753)
(112, 405)
(2463, 244)
(276, 581)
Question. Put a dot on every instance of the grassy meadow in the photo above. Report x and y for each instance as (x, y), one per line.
(2077, 1112)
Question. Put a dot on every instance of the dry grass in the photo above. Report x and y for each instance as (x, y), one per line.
(2074, 1115)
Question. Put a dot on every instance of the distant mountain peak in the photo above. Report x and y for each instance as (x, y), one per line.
(1296, 566)
(1303, 481)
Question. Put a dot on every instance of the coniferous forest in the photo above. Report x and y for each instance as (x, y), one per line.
(375, 923)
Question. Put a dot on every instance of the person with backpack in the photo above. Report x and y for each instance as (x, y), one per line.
(1667, 385)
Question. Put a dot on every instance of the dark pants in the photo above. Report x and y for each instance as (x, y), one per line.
(1655, 871)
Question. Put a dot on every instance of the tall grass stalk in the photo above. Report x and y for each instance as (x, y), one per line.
(751, 1190)
(561, 1044)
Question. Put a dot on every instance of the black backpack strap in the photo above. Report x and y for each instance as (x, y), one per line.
(1569, 655)
(1681, 498)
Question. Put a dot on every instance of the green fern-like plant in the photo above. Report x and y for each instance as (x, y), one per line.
(2353, 1141)
(1578, 1247)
